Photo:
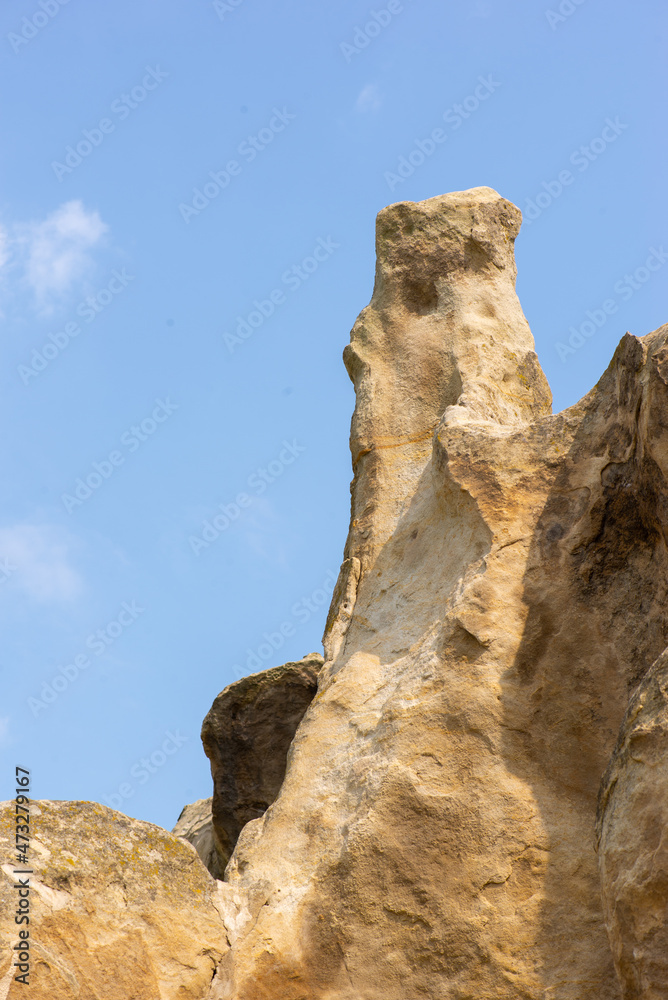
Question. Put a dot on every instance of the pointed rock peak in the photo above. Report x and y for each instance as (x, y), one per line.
(464, 231)
(444, 327)
(443, 341)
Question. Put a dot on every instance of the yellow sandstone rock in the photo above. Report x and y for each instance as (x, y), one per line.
(633, 841)
(502, 594)
(502, 597)
(196, 826)
(119, 909)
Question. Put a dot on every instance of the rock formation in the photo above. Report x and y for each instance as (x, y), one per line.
(246, 735)
(119, 909)
(424, 826)
(633, 841)
(502, 595)
(195, 825)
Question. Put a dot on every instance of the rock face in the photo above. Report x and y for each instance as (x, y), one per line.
(246, 737)
(502, 595)
(417, 817)
(118, 909)
(195, 825)
(633, 841)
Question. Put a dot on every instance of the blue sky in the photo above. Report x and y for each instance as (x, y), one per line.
(187, 235)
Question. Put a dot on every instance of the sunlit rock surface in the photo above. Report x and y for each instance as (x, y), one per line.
(416, 818)
(119, 909)
(501, 596)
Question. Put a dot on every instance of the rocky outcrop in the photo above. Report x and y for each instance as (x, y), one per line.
(416, 817)
(632, 835)
(502, 595)
(118, 909)
(195, 825)
(246, 735)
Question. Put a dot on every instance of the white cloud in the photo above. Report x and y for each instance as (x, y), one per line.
(49, 258)
(369, 99)
(58, 249)
(36, 559)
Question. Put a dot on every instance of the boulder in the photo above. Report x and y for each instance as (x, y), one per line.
(196, 826)
(246, 736)
(119, 908)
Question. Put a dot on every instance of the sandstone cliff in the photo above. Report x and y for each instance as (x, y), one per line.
(502, 594)
(632, 836)
(424, 827)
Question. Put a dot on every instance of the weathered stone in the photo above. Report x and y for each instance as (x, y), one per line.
(503, 591)
(195, 824)
(632, 836)
(246, 735)
(118, 908)
(424, 825)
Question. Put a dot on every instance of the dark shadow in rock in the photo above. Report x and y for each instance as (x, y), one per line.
(596, 590)
(246, 735)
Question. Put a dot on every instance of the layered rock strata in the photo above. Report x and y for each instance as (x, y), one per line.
(502, 595)
(246, 736)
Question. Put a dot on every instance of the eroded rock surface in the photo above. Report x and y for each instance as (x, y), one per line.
(502, 594)
(119, 909)
(246, 735)
(415, 819)
(195, 824)
(633, 841)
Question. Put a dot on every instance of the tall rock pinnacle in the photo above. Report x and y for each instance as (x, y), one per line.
(501, 595)
(474, 802)
(444, 338)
